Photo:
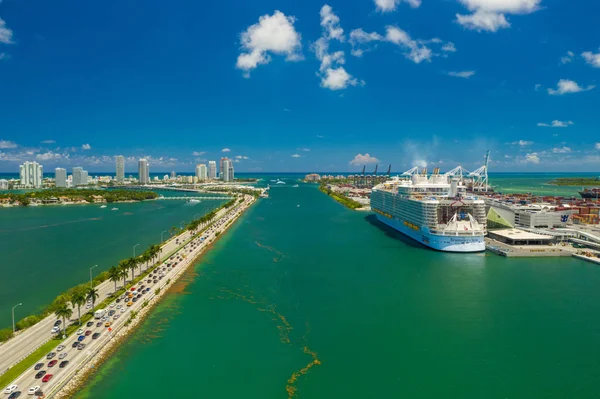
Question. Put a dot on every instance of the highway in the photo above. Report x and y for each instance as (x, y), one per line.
(77, 358)
(24, 343)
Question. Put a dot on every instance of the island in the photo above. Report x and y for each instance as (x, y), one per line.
(576, 181)
(69, 196)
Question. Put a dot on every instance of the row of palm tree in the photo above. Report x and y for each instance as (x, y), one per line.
(78, 297)
(116, 273)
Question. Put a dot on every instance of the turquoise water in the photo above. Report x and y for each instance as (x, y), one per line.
(302, 281)
(48, 249)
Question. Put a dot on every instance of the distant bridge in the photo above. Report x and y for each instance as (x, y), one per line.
(193, 198)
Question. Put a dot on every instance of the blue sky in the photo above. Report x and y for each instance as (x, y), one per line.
(301, 85)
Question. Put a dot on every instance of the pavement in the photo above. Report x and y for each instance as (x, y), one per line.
(27, 341)
(77, 358)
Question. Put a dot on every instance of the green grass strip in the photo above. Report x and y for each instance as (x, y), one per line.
(19, 368)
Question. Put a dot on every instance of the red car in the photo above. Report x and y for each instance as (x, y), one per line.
(52, 363)
(132, 288)
(47, 377)
(88, 332)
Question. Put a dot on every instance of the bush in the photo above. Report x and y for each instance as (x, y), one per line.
(27, 322)
(157, 291)
(6, 334)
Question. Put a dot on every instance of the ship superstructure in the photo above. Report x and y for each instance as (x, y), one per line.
(434, 210)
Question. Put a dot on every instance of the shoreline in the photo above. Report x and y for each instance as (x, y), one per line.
(75, 383)
(73, 203)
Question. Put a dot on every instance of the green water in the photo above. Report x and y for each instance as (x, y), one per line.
(386, 318)
(48, 249)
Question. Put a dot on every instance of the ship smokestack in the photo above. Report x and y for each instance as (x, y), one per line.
(453, 188)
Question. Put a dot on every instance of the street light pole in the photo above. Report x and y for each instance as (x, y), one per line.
(91, 285)
(134, 249)
(13, 316)
(161, 235)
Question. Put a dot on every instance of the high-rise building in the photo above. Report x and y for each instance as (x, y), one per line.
(201, 172)
(143, 171)
(231, 172)
(212, 170)
(80, 176)
(3, 184)
(222, 168)
(120, 160)
(227, 170)
(31, 174)
(60, 177)
(173, 175)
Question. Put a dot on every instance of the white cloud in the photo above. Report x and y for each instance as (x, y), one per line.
(537, 87)
(489, 15)
(522, 143)
(561, 150)
(361, 159)
(49, 142)
(532, 158)
(331, 24)
(303, 149)
(296, 156)
(360, 36)
(418, 52)
(462, 74)
(566, 86)
(567, 58)
(47, 156)
(390, 5)
(5, 33)
(86, 147)
(449, 47)
(592, 58)
(556, 123)
(273, 33)
(337, 79)
(225, 150)
(198, 153)
(238, 157)
(7, 144)
(597, 146)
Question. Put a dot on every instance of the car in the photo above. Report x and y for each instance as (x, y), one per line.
(89, 324)
(11, 388)
(96, 335)
(88, 332)
(112, 312)
(40, 374)
(63, 364)
(80, 347)
(135, 299)
(104, 318)
(74, 345)
(117, 301)
(79, 332)
(123, 310)
(129, 303)
(115, 317)
(47, 377)
(119, 306)
(38, 366)
(62, 355)
(139, 296)
(132, 289)
(57, 323)
(55, 330)
(99, 324)
(107, 324)
(112, 305)
(155, 281)
(50, 355)
(15, 395)
(33, 390)
(60, 348)
(52, 363)
(81, 338)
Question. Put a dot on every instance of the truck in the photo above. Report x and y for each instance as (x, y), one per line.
(99, 313)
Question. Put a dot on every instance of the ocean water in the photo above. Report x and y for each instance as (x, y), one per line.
(304, 298)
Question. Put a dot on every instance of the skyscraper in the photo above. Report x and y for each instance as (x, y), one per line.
(60, 177)
(31, 174)
(227, 170)
(120, 160)
(223, 170)
(212, 170)
(231, 172)
(143, 171)
(80, 176)
(201, 172)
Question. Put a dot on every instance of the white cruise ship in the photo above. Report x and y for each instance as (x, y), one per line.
(433, 210)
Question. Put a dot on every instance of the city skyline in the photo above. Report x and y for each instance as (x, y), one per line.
(338, 87)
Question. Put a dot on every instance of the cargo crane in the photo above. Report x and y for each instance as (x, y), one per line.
(480, 176)
(411, 171)
(389, 172)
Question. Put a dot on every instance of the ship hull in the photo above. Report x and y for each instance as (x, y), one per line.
(437, 242)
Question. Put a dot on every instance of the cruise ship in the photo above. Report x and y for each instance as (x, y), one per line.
(434, 210)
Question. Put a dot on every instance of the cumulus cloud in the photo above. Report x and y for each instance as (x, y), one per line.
(225, 150)
(391, 5)
(337, 79)
(597, 146)
(198, 153)
(49, 142)
(561, 150)
(462, 74)
(238, 157)
(532, 158)
(522, 143)
(48, 156)
(556, 123)
(566, 86)
(417, 52)
(567, 58)
(272, 34)
(86, 147)
(331, 24)
(361, 159)
(296, 156)
(449, 47)
(7, 144)
(5, 33)
(592, 58)
(490, 15)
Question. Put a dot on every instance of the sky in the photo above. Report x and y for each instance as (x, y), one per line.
(301, 86)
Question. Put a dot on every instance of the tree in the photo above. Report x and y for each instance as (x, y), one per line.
(78, 298)
(114, 275)
(65, 313)
(131, 265)
(123, 269)
(92, 293)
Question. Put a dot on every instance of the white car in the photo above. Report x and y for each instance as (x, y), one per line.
(11, 388)
(123, 310)
(55, 330)
(60, 347)
(119, 306)
(33, 390)
(62, 355)
(80, 331)
(112, 305)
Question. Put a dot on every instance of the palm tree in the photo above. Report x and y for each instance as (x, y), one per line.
(114, 275)
(78, 298)
(131, 265)
(123, 269)
(92, 293)
(65, 312)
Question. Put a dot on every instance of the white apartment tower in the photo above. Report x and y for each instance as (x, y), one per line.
(212, 170)
(80, 176)
(227, 170)
(31, 174)
(201, 172)
(60, 177)
(120, 160)
(230, 175)
(143, 171)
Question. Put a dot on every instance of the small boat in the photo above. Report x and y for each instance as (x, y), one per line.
(194, 201)
(103, 206)
(298, 206)
(115, 209)
(295, 185)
